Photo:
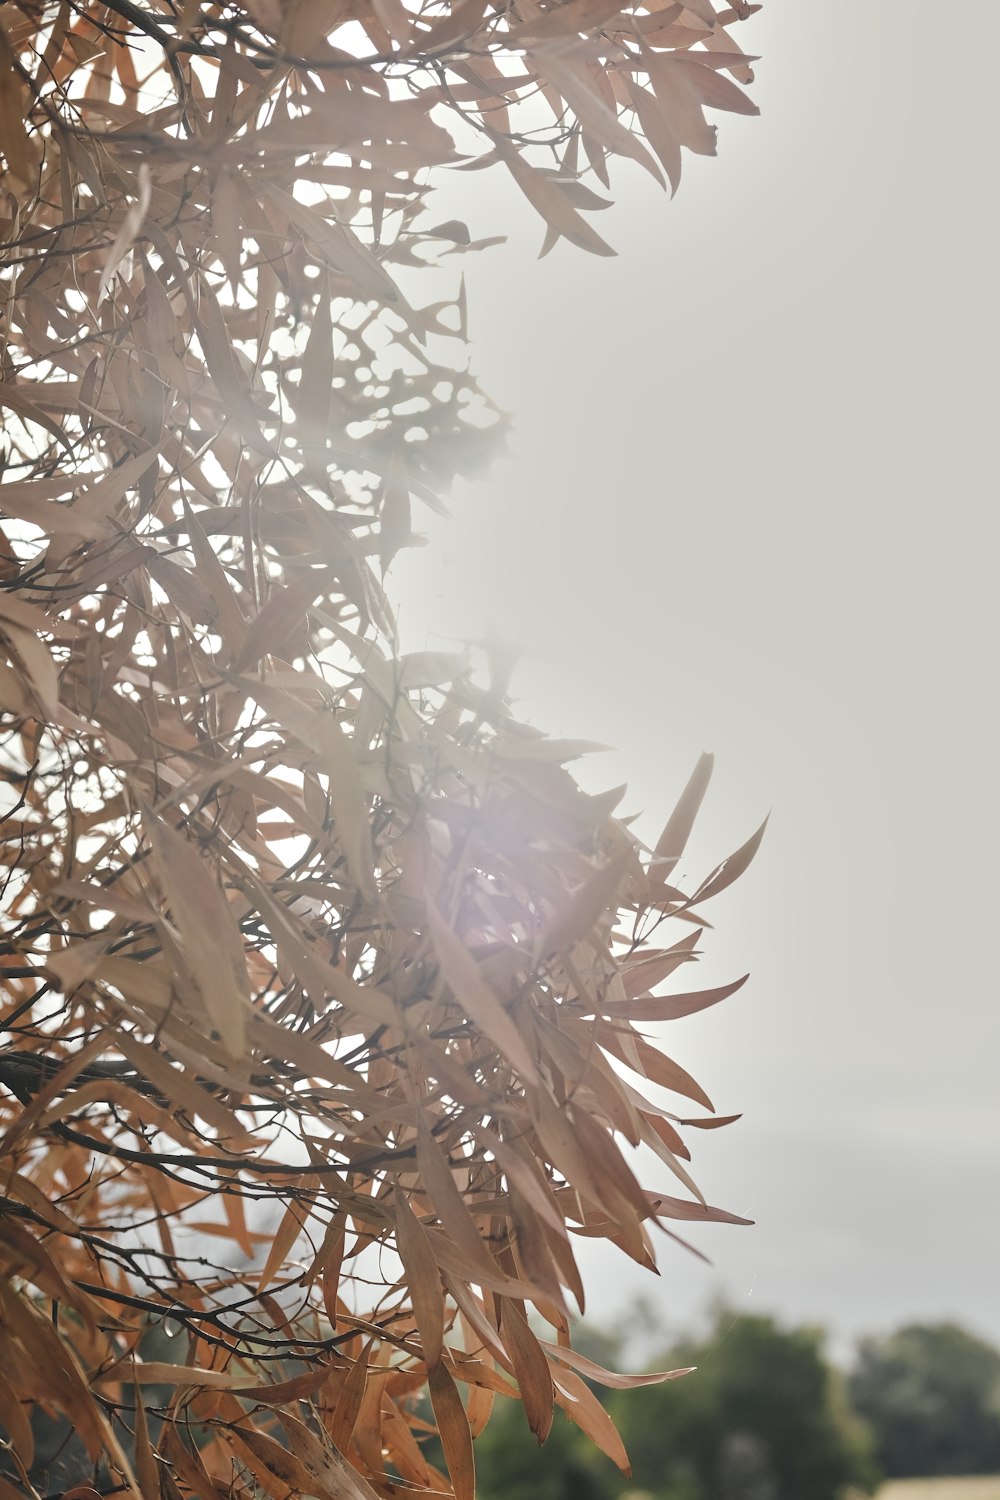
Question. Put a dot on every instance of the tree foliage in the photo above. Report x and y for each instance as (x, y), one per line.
(931, 1393)
(764, 1418)
(311, 951)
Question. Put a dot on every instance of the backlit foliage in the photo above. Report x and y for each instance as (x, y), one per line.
(311, 952)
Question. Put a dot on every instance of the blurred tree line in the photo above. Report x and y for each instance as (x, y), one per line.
(932, 1397)
(765, 1416)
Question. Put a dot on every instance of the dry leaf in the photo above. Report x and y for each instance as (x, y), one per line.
(209, 934)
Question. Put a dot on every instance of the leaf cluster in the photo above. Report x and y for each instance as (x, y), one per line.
(311, 951)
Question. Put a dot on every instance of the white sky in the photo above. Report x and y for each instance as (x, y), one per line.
(750, 508)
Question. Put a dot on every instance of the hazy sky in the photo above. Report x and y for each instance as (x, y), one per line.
(750, 509)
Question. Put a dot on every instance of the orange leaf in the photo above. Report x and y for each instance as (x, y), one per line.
(599, 895)
(544, 195)
(670, 844)
(647, 970)
(534, 1379)
(453, 1425)
(730, 869)
(178, 1087)
(212, 941)
(656, 1066)
(422, 1276)
(333, 1476)
(292, 1476)
(349, 801)
(283, 612)
(594, 1371)
(288, 1231)
(698, 1213)
(146, 1468)
(349, 1399)
(582, 1407)
(473, 995)
(672, 1007)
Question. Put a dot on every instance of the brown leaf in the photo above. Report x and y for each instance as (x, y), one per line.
(32, 1262)
(212, 573)
(534, 1379)
(644, 971)
(598, 895)
(423, 1278)
(345, 250)
(283, 613)
(570, 18)
(227, 214)
(670, 845)
(16, 398)
(453, 1425)
(297, 1388)
(160, 1372)
(147, 1470)
(544, 195)
(330, 1471)
(14, 141)
(701, 1213)
(211, 938)
(450, 1206)
(593, 1371)
(473, 995)
(132, 222)
(682, 104)
(731, 869)
(655, 1066)
(352, 1392)
(180, 1089)
(38, 670)
(562, 1147)
(188, 1464)
(233, 384)
(284, 1466)
(593, 113)
(582, 1407)
(713, 1123)
(347, 796)
(672, 1007)
(717, 92)
(33, 1115)
(288, 1231)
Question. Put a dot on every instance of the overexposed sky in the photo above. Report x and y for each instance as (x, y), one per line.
(750, 507)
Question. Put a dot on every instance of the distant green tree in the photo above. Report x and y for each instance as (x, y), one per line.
(932, 1396)
(511, 1466)
(763, 1418)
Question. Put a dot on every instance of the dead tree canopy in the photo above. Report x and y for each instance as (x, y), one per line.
(325, 986)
